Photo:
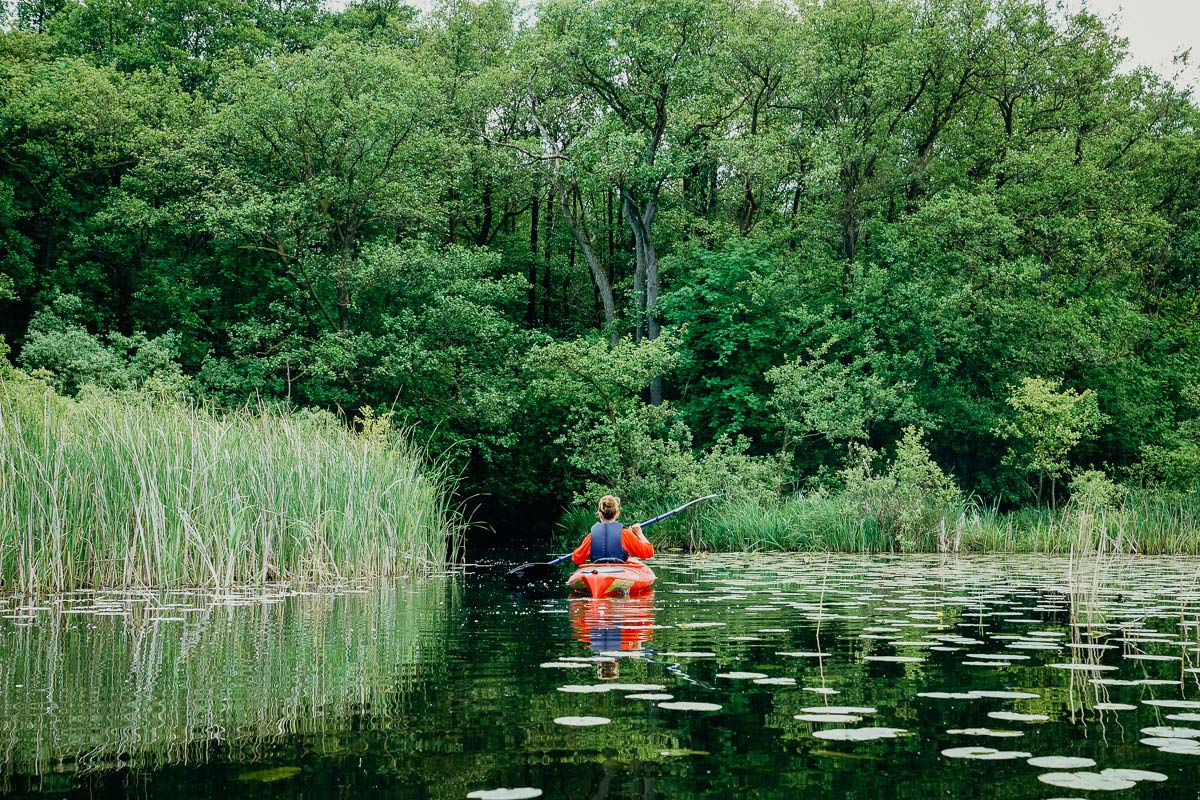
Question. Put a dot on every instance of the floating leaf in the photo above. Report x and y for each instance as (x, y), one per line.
(838, 718)
(1134, 775)
(582, 722)
(687, 706)
(1061, 762)
(1016, 716)
(984, 753)
(1083, 668)
(857, 734)
(1173, 732)
(565, 665)
(741, 676)
(1088, 781)
(523, 793)
(1188, 704)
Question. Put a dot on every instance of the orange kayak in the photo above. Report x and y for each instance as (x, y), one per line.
(612, 580)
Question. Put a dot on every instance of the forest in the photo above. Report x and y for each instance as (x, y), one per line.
(898, 256)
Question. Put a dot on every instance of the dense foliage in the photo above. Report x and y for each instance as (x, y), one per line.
(655, 246)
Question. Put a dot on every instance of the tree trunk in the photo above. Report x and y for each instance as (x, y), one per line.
(546, 274)
(531, 309)
(641, 221)
(599, 276)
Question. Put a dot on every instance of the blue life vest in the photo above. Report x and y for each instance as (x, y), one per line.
(606, 543)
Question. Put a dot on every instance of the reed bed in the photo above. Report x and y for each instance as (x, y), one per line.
(1144, 522)
(132, 491)
(178, 676)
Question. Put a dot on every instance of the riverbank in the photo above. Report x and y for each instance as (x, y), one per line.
(115, 490)
(1143, 522)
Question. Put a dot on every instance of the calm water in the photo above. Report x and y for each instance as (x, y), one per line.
(455, 686)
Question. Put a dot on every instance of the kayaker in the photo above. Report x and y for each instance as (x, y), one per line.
(608, 542)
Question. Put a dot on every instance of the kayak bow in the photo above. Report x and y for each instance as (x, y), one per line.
(612, 580)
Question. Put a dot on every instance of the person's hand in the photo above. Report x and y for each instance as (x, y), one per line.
(637, 531)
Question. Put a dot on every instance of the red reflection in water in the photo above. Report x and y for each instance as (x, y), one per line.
(613, 623)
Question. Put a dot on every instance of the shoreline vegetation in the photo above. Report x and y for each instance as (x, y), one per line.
(112, 490)
(889, 275)
(1142, 523)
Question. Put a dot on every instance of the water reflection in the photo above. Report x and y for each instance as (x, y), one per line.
(97, 681)
(786, 676)
(613, 624)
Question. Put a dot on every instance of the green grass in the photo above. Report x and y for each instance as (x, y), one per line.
(121, 491)
(1145, 522)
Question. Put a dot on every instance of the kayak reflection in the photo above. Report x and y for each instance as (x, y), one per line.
(609, 624)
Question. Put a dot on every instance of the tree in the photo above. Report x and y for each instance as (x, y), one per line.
(1047, 424)
(320, 149)
(648, 64)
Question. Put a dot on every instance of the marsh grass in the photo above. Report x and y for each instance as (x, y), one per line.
(114, 490)
(1142, 522)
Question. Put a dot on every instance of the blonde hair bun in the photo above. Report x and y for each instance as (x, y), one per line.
(610, 508)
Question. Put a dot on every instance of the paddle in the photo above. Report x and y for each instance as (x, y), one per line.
(541, 572)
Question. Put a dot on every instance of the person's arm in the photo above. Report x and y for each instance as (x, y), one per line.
(635, 543)
(584, 551)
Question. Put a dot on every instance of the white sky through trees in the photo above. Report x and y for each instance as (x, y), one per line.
(1156, 30)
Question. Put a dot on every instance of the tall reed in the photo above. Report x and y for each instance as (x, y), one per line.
(1143, 522)
(133, 491)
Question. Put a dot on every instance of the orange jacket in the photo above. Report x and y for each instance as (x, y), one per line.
(638, 546)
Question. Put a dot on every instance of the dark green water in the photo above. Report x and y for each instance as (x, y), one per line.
(442, 689)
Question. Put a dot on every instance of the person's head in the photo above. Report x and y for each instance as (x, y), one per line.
(610, 508)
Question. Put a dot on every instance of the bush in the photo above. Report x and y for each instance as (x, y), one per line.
(910, 500)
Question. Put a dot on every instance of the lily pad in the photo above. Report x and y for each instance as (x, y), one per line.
(1168, 741)
(522, 793)
(857, 734)
(1088, 781)
(1016, 716)
(1186, 704)
(582, 722)
(687, 706)
(1173, 732)
(565, 665)
(1179, 750)
(838, 718)
(650, 696)
(1061, 762)
(984, 753)
(1135, 775)
(1083, 668)
(741, 676)
(838, 710)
